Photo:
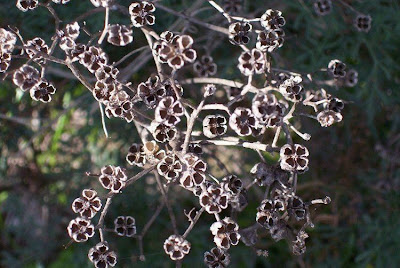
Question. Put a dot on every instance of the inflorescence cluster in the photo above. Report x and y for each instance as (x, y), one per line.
(165, 120)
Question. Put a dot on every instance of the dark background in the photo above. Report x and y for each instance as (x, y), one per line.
(47, 148)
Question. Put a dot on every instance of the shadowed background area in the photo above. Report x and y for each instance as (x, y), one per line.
(47, 148)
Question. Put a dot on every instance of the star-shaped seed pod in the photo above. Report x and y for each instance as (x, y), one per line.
(243, 122)
(113, 178)
(322, 7)
(7, 41)
(291, 88)
(25, 5)
(337, 68)
(88, 204)
(239, 33)
(213, 199)
(142, 13)
(177, 52)
(363, 23)
(252, 62)
(272, 19)
(194, 171)
(80, 229)
(169, 111)
(226, 233)
(42, 91)
(93, 58)
(26, 77)
(176, 247)
(101, 256)
(294, 158)
(216, 258)
(214, 126)
(170, 167)
(268, 110)
(119, 35)
(35, 47)
(205, 67)
(125, 226)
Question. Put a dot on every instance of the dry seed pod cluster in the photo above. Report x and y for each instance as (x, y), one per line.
(159, 107)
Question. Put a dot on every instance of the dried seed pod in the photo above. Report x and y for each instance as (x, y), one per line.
(296, 208)
(153, 153)
(107, 74)
(337, 68)
(42, 91)
(279, 231)
(243, 122)
(205, 67)
(177, 52)
(5, 60)
(214, 199)
(322, 7)
(226, 233)
(76, 52)
(26, 77)
(363, 23)
(291, 88)
(113, 178)
(136, 155)
(36, 46)
(102, 91)
(327, 118)
(68, 36)
(25, 5)
(119, 35)
(269, 40)
(151, 91)
(163, 133)
(88, 204)
(252, 62)
(214, 126)
(232, 185)
(194, 171)
(176, 247)
(267, 215)
(299, 245)
(268, 110)
(334, 104)
(80, 229)
(272, 19)
(7, 41)
(216, 258)
(93, 58)
(142, 13)
(239, 33)
(351, 78)
(169, 111)
(120, 105)
(125, 226)
(101, 256)
(294, 158)
(170, 167)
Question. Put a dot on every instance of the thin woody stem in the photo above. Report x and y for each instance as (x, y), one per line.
(158, 64)
(190, 126)
(165, 197)
(104, 33)
(231, 141)
(193, 20)
(193, 222)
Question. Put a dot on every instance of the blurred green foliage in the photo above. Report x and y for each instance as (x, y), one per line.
(47, 148)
